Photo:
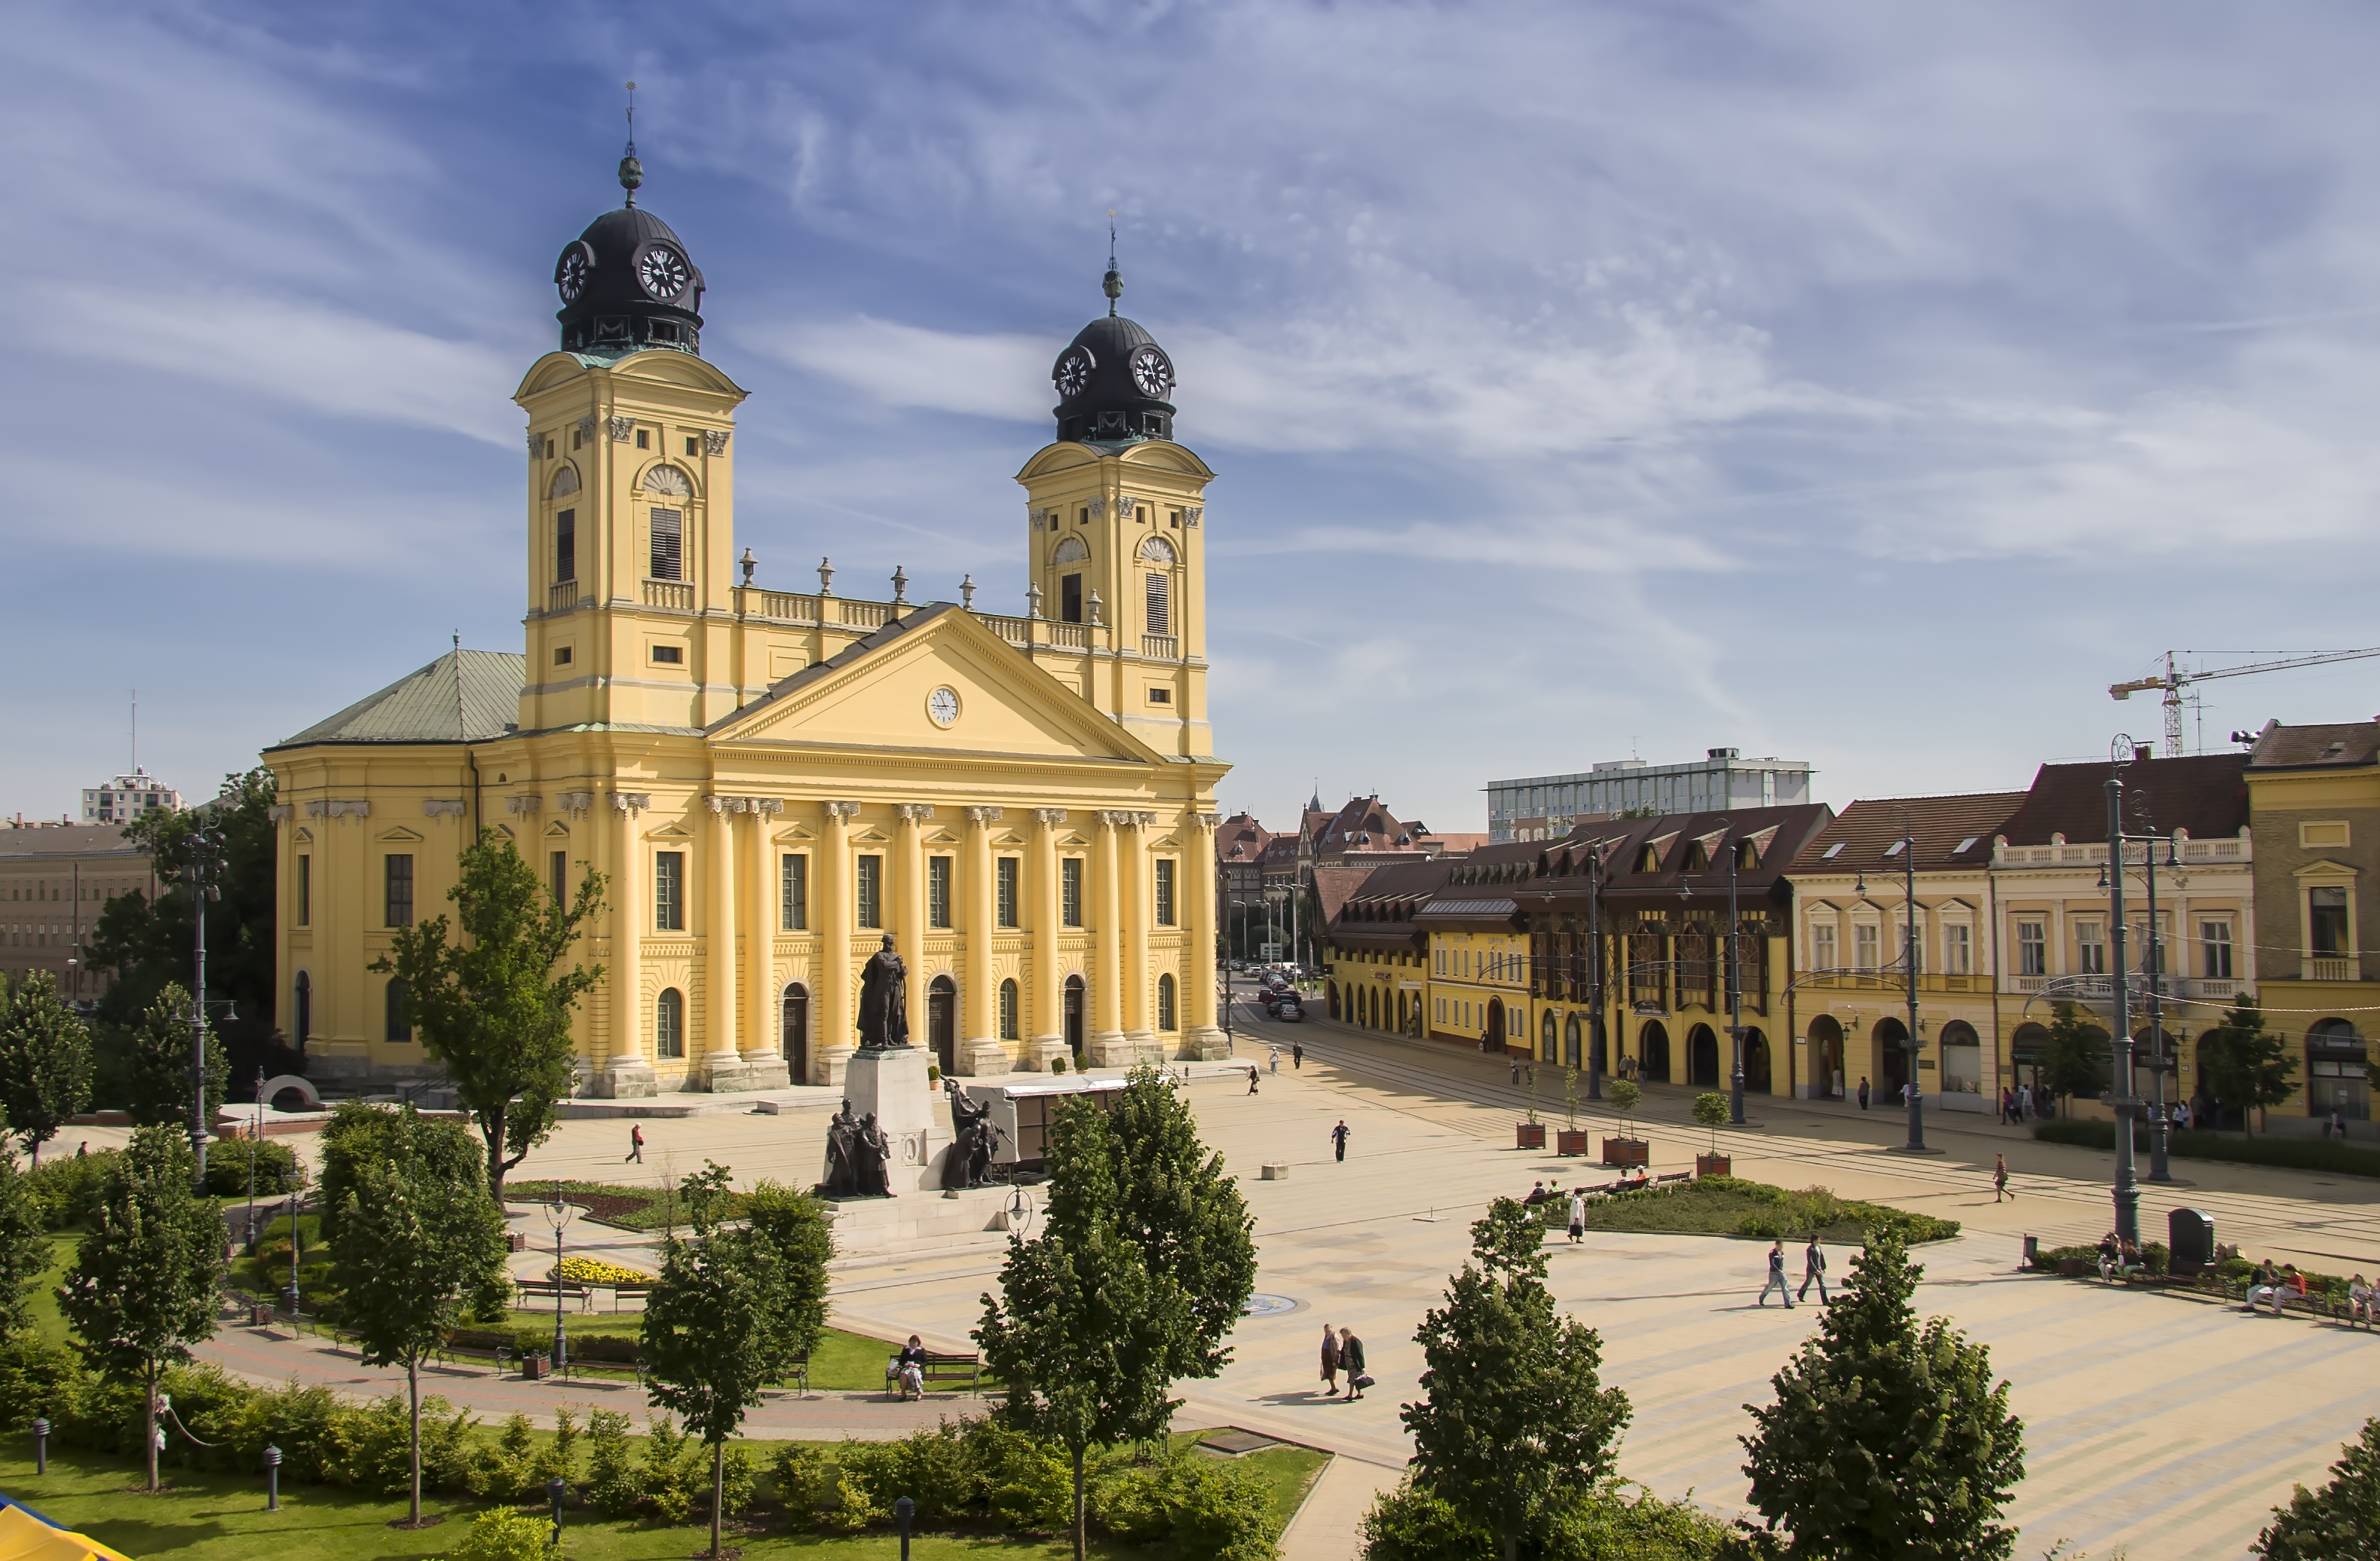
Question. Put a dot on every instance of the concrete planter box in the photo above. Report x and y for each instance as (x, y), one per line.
(1531, 1135)
(1714, 1165)
(1627, 1153)
(1570, 1140)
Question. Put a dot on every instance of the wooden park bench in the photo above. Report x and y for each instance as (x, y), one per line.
(942, 1368)
(532, 1290)
(641, 1291)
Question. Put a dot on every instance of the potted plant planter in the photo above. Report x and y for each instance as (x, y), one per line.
(1627, 1153)
(1532, 1135)
(1570, 1140)
(534, 1368)
(1713, 1165)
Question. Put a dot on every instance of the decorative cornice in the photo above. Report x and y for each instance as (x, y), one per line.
(983, 815)
(631, 802)
(281, 813)
(726, 804)
(842, 810)
(1123, 818)
(446, 808)
(914, 812)
(353, 808)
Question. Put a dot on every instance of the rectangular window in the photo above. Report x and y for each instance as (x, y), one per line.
(562, 654)
(692, 444)
(937, 891)
(1958, 952)
(2214, 950)
(669, 654)
(2141, 944)
(2326, 921)
(1070, 598)
(1165, 893)
(1161, 606)
(566, 547)
(558, 876)
(871, 892)
(398, 899)
(305, 891)
(2090, 945)
(1070, 891)
(792, 892)
(2032, 949)
(1160, 697)
(1006, 871)
(1863, 946)
(1822, 948)
(668, 544)
(668, 891)
(644, 438)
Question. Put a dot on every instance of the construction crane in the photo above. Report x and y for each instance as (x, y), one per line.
(2173, 680)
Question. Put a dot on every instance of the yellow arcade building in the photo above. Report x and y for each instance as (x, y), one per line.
(772, 780)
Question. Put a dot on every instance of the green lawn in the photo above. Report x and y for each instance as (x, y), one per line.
(222, 1517)
(843, 1362)
(47, 1318)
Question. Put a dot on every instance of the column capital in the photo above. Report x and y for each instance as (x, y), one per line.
(1208, 820)
(914, 812)
(631, 802)
(1049, 817)
(842, 810)
(983, 815)
(1125, 819)
(575, 803)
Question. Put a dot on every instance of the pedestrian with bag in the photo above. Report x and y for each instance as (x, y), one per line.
(1338, 1140)
(1351, 1361)
(1776, 1276)
(1813, 1270)
(635, 1144)
(1577, 1217)
(1252, 1078)
(1330, 1360)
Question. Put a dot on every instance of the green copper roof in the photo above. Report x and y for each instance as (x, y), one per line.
(463, 697)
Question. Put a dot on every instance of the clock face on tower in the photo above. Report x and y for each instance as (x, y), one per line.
(942, 706)
(1152, 373)
(663, 272)
(1073, 374)
(570, 273)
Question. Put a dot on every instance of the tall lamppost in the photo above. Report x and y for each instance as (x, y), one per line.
(201, 872)
(2120, 1099)
(1907, 850)
(2152, 962)
(1595, 1041)
(1735, 993)
(558, 1215)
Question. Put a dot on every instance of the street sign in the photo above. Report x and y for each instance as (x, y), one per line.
(1271, 950)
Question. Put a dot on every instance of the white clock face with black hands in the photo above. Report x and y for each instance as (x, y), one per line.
(571, 275)
(664, 272)
(1152, 373)
(942, 705)
(1074, 372)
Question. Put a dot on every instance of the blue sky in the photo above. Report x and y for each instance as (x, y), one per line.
(1857, 382)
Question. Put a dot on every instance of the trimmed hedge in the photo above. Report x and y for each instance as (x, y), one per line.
(1728, 1205)
(2196, 1143)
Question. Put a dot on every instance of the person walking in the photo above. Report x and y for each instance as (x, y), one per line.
(1272, 1059)
(1999, 1179)
(1252, 1078)
(635, 1144)
(1577, 1217)
(1351, 1361)
(1296, 1054)
(1339, 1140)
(1516, 1072)
(1330, 1361)
(1863, 1092)
(1776, 1276)
(1813, 1270)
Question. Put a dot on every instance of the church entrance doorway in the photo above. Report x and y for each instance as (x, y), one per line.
(1702, 1057)
(942, 1023)
(1494, 1040)
(1074, 1014)
(793, 1033)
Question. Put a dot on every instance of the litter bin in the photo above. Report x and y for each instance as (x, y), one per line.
(2190, 1234)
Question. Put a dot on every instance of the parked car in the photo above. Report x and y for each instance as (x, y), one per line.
(1288, 1011)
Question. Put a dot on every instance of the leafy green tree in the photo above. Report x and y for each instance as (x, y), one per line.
(1887, 1442)
(493, 1004)
(2339, 1520)
(45, 1062)
(24, 1246)
(417, 1242)
(157, 1081)
(1177, 1203)
(2073, 1059)
(1626, 1096)
(141, 1289)
(1711, 1109)
(793, 1224)
(359, 1136)
(1514, 1427)
(147, 943)
(2247, 1065)
(1085, 1333)
(724, 1321)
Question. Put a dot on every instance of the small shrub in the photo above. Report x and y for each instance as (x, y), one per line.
(502, 1534)
(1219, 1512)
(1057, 1065)
(612, 1483)
(278, 1170)
(933, 1072)
(68, 1188)
(2157, 1258)
(1764, 1225)
(800, 1474)
(849, 1507)
(671, 1457)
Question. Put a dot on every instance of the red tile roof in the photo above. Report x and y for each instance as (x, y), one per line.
(1859, 836)
(2204, 793)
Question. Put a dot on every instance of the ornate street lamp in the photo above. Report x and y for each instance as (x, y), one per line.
(558, 1215)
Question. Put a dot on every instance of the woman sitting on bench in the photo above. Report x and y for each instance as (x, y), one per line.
(905, 1373)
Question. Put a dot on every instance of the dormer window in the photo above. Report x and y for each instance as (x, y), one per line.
(1648, 859)
(1697, 862)
(1747, 856)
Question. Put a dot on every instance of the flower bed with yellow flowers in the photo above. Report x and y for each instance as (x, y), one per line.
(595, 1271)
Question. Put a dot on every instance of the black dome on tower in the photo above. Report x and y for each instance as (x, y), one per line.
(1113, 379)
(628, 284)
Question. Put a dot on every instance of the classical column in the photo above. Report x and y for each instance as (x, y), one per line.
(1106, 1045)
(762, 1016)
(1139, 909)
(1196, 878)
(627, 1072)
(838, 1025)
(908, 918)
(720, 1067)
(1049, 999)
(980, 1049)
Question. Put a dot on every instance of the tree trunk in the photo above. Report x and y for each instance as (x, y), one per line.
(413, 1406)
(1082, 1529)
(149, 1430)
(492, 1128)
(718, 1491)
(37, 1153)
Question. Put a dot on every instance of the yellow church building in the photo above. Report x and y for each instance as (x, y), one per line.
(774, 780)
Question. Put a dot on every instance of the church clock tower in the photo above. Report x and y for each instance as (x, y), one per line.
(1116, 516)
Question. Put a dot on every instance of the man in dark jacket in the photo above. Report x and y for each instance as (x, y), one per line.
(1351, 1361)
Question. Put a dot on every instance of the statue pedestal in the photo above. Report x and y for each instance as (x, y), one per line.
(892, 1083)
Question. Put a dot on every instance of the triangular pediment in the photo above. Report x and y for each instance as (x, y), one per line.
(669, 832)
(793, 834)
(941, 837)
(399, 833)
(557, 830)
(1009, 838)
(871, 837)
(881, 693)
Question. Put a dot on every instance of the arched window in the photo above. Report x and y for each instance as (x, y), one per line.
(1071, 551)
(1160, 604)
(1165, 1003)
(668, 480)
(1550, 1041)
(1157, 550)
(566, 482)
(400, 1021)
(669, 1024)
(1011, 1022)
